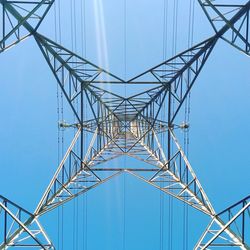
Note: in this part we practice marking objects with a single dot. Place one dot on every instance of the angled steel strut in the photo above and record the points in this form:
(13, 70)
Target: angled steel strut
(235, 218)
(20, 19)
(230, 21)
(12, 219)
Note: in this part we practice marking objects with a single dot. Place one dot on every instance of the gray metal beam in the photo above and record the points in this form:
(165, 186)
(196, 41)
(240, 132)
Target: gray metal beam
(16, 26)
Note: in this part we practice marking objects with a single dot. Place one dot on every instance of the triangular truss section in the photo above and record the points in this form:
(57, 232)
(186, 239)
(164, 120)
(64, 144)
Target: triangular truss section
(102, 148)
(20, 19)
(230, 228)
(178, 74)
(74, 175)
(147, 140)
(75, 76)
(176, 176)
(20, 228)
(230, 21)
(141, 118)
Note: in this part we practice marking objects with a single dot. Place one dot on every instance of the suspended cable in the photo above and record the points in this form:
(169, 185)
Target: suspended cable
(189, 108)
(72, 48)
(86, 222)
(61, 93)
(82, 29)
(84, 115)
(78, 142)
(124, 212)
(61, 105)
(161, 218)
(165, 29)
(75, 25)
(58, 228)
(62, 227)
(74, 220)
(71, 25)
(125, 40)
(77, 222)
(163, 113)
(187, 117)
(125, 89)
(174, 50)
(76, 105)
(56, 23)
(125, 61)
(59, 22)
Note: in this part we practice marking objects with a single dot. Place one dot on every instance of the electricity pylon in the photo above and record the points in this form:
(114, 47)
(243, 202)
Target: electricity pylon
(129, 125)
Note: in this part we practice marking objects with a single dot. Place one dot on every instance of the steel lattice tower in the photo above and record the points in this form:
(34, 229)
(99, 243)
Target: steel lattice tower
(124, 126)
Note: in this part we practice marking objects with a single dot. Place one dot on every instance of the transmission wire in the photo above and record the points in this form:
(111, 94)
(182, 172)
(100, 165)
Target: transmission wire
(83, 51)
(163, 113)
(174, 51)
(73, 17)
(71, 41)
(125, 89)
(72, 48)
(62, 130)
(187, 118)
(60, 117)
(78, 142)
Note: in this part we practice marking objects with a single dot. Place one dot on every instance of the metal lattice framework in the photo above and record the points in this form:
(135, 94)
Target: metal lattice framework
(235, 218)
(121, 126)
(16, 219)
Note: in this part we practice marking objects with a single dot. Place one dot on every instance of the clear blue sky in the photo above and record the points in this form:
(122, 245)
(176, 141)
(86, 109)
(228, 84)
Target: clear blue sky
(219, 133)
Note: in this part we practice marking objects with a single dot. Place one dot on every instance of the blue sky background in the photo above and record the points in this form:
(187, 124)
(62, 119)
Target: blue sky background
(219, 132)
